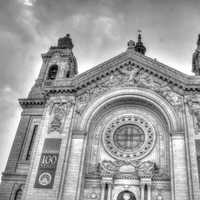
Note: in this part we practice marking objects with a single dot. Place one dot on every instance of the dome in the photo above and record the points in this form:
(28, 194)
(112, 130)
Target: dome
(65, 42)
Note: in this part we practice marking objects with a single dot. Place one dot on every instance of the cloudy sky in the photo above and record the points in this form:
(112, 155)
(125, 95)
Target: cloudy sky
(100, 30)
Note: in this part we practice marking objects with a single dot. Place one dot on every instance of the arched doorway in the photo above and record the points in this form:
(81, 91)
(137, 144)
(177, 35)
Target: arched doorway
(126, 195)
(117, 125)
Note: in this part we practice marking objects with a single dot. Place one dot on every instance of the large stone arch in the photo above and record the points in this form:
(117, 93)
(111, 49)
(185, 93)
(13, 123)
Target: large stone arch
(144, 95)
(107, 104)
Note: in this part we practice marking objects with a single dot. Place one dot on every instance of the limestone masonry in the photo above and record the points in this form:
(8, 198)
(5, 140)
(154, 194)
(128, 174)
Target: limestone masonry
(127, 129)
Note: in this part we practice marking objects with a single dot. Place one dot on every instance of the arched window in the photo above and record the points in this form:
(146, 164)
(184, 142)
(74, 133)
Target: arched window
(68, 74)
(18, 194)
(30, 149)
(126, 195)
(52, 72)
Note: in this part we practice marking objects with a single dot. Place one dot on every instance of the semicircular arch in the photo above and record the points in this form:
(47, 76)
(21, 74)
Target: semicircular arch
(144, 96)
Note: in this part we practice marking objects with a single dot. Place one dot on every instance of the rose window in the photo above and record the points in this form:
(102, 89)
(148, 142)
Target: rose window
(129, 137)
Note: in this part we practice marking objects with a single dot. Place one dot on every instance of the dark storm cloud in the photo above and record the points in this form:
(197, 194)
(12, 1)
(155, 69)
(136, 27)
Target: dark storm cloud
(99, 29)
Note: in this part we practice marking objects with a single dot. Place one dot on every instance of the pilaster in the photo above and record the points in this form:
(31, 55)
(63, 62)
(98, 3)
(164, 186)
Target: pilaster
(179, 167)
(192, 110)
(74, 176)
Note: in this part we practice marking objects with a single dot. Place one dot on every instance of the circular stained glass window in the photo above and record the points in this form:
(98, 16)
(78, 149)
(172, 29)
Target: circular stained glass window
(129, 137)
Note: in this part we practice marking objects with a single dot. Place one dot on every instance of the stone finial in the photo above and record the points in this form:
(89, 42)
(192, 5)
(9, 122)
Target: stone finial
(139, 47)
(196, 59)
(131, 44)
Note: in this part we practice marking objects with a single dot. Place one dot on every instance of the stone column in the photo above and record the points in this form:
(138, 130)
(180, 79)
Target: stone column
(142, 192)
(107, 179)
(148, 192)
(109, 191)
(103, 190)
(143, 182)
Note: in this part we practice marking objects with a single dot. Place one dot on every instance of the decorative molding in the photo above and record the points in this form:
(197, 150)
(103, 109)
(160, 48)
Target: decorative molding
(26, 103)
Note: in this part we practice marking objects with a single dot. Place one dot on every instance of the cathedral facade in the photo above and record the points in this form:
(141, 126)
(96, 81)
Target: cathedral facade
(127, 129)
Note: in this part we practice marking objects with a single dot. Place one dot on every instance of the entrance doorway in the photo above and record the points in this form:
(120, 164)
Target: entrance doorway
(126, 195)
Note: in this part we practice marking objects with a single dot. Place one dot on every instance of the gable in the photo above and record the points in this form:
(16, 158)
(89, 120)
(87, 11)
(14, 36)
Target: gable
(128, 76)
(143, 63)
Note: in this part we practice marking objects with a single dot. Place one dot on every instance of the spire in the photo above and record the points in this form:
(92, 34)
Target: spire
(196, 59)
(65, 42)
(139, 47)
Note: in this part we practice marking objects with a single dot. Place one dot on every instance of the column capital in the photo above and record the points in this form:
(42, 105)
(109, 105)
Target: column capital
(178, 136)
(103, 183)
(142, 185)
(145, 181)
(107, 179)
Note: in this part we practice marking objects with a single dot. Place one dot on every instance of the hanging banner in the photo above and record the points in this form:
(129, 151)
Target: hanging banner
(48, 164)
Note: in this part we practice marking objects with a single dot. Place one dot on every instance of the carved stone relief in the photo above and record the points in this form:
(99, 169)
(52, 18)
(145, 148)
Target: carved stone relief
(130, 76)
(139, 169)
(93, 194)
(92, 190)
(194, 106)
(60, 110)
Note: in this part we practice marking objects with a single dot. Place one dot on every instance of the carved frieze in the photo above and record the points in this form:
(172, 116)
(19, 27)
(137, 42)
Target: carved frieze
(130, 76)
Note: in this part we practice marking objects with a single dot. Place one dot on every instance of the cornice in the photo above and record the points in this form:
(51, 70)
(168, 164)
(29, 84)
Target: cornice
(13, 176)
(152, 66)
(180, 82)
(52, 91)
(173, 77)
(26, 103)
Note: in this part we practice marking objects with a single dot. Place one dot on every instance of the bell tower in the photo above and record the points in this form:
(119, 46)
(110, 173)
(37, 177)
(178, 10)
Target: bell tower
(59, 63)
